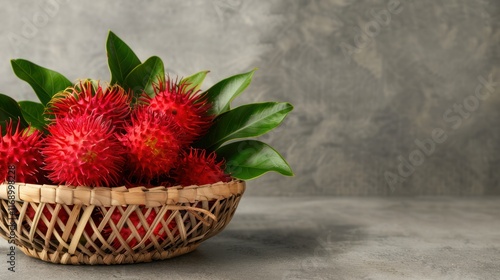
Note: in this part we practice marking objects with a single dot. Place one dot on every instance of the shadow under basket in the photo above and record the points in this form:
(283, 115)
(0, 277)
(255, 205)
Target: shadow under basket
(83, 225)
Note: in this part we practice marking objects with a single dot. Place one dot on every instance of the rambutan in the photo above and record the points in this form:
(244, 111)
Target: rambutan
(162, 180)
(20, 158)
(83, 151)
(152, 144)
(46, 215)
(198, 168)
(87, 98)
(127, 232)
(188, 108)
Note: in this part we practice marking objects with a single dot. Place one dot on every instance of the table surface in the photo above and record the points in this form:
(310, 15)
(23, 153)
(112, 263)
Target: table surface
(324, 238)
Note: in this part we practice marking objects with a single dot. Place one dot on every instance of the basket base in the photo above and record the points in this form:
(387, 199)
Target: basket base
(78, 258)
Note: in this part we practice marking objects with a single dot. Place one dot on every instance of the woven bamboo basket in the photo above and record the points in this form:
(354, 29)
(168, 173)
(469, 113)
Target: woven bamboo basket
(80, 228)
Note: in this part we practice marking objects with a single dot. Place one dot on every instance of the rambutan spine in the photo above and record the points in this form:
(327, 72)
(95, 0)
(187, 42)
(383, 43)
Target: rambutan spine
(83, 151)
(187, 108)
(87, 98)
(196, 167)
(20, 158)
(152, 143)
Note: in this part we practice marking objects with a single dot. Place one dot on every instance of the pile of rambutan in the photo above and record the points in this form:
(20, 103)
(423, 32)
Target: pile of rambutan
(97, 138)
(143, 128)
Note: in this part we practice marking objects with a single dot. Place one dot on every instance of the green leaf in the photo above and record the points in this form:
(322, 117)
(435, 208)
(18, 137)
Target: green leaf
(250, 159)
(9, 110)
(245, 121)
(143, 76)
(121, 59)
(222, 93)
(45, 82)
(195, 80)
(34, 114)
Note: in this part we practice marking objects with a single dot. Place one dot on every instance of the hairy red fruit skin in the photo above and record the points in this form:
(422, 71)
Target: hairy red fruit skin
(164, 181)
(152, 144)
(197, 168)
(126, 231)
(113, 103)
(187, 108)
(83, 151)
(20, 157)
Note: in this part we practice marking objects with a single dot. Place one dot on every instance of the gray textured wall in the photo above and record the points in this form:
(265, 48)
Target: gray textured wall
(364, 91)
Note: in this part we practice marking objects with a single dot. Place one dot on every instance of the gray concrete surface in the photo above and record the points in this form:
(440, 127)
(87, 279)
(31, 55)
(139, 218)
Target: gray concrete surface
(362, 98)
(324, 238)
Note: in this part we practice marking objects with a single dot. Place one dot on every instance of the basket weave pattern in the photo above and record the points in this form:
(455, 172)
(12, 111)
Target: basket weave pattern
(80, 228)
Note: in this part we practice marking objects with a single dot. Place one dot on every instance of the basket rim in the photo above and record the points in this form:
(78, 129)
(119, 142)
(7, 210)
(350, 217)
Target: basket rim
(117, 196)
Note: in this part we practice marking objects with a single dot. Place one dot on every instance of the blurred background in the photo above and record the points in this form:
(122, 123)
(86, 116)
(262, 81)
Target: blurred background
(392, 97)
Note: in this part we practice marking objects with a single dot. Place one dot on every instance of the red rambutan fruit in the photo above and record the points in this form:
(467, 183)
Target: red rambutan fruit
(198, 168)
(188, 108)
(62, 215)
(152, 144)
(113, 102)
(163, 180)
(20, 157)
(127, 233)
(83, 151)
